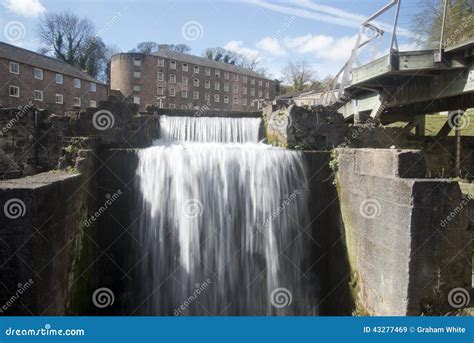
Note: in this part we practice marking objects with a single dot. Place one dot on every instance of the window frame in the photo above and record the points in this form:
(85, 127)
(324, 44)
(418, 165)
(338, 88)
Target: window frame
(41, 71)
(14, 64)
(80, 101)
(57, 77)
(14, 87)
(61, 96)
(39, 92)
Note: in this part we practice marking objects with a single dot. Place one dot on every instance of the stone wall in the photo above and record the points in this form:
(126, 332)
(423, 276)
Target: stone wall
(46, 259)
(296, 127)
(406, 250)
(31, 141)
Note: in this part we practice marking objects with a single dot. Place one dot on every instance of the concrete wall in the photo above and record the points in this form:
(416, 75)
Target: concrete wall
(439, 153)
(46, 257)
(405, 254)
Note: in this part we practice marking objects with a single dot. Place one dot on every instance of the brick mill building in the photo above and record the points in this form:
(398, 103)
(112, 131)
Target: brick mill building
(169, 79)
(31, 78)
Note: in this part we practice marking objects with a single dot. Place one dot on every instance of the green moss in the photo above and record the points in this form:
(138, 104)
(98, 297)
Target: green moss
(81, 274)
(347, 222)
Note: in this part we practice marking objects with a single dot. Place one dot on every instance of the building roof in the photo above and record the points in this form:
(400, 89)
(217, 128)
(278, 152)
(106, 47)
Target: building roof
(203, 61)
(16, 54)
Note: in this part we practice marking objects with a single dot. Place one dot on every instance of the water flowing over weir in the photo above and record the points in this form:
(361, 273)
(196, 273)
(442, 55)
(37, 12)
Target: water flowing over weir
(225, 225)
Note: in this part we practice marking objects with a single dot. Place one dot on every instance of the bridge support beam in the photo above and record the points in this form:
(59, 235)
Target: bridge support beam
(420, 121)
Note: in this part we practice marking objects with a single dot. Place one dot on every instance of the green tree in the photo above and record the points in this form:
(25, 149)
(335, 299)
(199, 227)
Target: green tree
(459, 23)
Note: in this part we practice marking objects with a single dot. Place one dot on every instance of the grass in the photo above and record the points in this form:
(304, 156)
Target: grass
(434, 122)
(467, 188)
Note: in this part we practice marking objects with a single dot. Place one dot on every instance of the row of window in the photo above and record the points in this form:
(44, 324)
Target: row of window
(14, 91)
(207, 97)
(172, 91)
(196, 83)
(207, 71)
(58, 78)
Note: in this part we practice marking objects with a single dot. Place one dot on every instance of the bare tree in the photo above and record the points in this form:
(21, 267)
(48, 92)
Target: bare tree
(299, 75)
(66, 35)
(73, 40)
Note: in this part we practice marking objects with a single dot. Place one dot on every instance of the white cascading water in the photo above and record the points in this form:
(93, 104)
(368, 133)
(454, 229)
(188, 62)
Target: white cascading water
(223, 224)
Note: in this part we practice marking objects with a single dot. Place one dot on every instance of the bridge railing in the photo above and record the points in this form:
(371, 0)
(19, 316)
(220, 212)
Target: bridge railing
(369, 31)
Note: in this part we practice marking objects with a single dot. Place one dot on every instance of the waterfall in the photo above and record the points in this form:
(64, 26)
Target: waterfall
(225, 224)
(207, 129)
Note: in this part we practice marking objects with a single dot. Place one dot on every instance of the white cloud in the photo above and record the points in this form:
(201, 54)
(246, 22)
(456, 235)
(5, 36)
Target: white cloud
(237, 46)
(324, 47)
(271, 45)
(324, 14)
(26, 8)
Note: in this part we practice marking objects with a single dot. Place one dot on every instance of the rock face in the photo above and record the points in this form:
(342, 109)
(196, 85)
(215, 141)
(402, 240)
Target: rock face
(296, 127)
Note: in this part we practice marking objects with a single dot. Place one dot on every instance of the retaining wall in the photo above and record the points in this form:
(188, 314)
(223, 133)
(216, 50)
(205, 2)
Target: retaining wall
(46, 250)
(406, 249)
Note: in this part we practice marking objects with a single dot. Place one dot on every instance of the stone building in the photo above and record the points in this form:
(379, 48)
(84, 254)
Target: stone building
(168, 79)
(29, 78)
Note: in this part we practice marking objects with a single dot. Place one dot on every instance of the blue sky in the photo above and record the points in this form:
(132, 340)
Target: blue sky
(321, 32)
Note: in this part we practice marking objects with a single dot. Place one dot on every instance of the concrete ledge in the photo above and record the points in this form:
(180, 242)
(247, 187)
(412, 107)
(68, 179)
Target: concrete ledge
(388, 162)
(406, 249)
